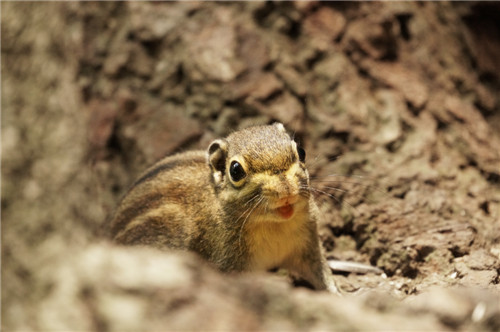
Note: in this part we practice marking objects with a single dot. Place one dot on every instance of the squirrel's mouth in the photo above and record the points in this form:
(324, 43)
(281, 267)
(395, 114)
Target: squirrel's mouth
(285, 211)
(286, 206)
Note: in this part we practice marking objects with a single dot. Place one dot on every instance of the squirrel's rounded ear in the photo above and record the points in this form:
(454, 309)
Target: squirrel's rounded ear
(280, 126)
(217, 155)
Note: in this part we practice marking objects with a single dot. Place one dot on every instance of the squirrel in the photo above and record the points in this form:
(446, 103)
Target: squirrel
(244, 205)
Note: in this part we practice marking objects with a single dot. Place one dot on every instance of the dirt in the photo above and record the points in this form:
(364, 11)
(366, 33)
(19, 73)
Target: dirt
(396, 104)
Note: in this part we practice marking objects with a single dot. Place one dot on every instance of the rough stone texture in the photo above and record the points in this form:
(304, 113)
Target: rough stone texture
(396, 104)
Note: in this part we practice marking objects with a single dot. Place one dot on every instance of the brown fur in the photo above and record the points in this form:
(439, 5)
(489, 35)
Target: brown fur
(191, 201)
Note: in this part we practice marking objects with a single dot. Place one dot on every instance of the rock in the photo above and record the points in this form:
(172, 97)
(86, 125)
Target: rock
(406, 81)
(253, 50)
(158, 134)
(332, 68)
(448, 305)
(373, 36)
(116, 288)
(480, 279)
(286, 109)
(293, 79)
(391, 96)
(324, 26)
(214, 53)
(150, 22)
(256, 86)
(102, 118)
(481, 260)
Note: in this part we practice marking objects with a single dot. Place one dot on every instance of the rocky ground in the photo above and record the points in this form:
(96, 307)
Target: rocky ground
(397, 106)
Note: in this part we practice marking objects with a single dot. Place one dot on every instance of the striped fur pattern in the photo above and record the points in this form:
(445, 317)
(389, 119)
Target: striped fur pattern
(244, 205)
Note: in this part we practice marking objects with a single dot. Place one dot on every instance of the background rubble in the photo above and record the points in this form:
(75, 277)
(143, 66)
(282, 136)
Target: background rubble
(396, 104)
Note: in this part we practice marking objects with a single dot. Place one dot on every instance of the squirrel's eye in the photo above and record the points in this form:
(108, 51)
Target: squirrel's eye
(236, 171)
(302, 154)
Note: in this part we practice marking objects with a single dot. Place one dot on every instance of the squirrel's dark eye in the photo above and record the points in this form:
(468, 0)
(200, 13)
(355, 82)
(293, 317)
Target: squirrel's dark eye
(302, 154)
(236, 171)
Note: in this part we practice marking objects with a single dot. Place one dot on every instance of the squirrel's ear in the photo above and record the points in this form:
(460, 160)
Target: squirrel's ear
(217, 155)
(280, 126)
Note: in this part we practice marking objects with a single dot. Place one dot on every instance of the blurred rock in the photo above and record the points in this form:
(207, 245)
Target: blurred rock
(482, 260)
(459, 307)
(324, 26)
(158, 134)
(396, 104)
(374, 36)
(116, 288)
(214, 53)
(256, 87)
(402, 79)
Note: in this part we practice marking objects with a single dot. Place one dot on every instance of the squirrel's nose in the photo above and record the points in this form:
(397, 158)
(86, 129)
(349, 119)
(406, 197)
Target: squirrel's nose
(287, 189)
(288, 200)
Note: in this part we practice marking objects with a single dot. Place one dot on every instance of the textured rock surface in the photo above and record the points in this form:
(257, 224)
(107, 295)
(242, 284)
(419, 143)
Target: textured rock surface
(395, 103)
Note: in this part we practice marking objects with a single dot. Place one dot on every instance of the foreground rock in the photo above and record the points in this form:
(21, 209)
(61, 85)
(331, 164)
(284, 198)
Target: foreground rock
(107, 288)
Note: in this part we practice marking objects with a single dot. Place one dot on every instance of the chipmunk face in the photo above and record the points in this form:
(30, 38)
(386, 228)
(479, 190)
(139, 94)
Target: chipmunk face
(260, 173)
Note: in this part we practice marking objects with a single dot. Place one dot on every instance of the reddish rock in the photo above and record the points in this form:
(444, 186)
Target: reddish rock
(324, 26)
(407, 81)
